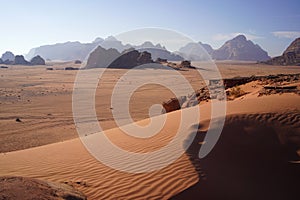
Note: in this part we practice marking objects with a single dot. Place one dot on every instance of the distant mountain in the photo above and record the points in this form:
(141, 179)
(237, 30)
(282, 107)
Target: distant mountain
(162, 53)
(75, 50)
(112, 42)
(149, 45)
(158, 51)
(239, 48)
(8, 56)
(195, 51)
(291, 56)
(63, 51)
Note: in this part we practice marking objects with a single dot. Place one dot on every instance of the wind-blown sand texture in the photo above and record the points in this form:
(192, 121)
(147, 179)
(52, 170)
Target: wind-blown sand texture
(260, 137)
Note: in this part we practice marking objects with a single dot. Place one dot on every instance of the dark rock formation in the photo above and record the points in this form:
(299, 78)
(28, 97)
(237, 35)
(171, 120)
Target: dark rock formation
(111, 58)
(71, 68)
(291, 56)
(131, 59)
(239, 48)
(8, 56)
(1, 61)
(37, 60)
(102, 58)
(77, 62)
(160, 60)
(185, 63)
(29, 188)
(20, 60)
(171, 105)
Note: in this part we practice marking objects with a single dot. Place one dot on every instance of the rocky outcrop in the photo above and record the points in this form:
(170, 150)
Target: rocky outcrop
(239, 48)
(185, 63)
(131, 59)
(20, 60)
(102, 58)
(8, 56)
(161, 60)
(291, 56)
(29, 188)
(111, 58)
(77, 62)
(1, 61)
(37, 60)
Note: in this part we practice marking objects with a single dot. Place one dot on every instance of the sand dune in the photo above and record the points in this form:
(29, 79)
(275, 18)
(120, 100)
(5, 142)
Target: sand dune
(250, 133)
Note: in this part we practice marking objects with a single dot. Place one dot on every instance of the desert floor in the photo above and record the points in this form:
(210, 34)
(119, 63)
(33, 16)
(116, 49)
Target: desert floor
(45, 144)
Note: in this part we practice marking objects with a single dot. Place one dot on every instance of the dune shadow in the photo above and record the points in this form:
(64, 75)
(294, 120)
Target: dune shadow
(248, 162)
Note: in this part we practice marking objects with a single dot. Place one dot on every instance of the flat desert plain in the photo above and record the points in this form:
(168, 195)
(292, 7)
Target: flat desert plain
(255, 157)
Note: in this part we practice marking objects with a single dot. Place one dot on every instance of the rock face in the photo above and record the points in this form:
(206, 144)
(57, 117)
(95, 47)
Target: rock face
(1, 61)
(111, 58)
(37, 60)
(28, 188)
(186, 63)
(8, 56)
(239, 48)
(101, 58)
(291, 56)
(20, 60)
(131, 59)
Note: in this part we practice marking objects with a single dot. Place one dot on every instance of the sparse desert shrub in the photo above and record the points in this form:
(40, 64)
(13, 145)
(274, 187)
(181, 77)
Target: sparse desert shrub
(235, 92)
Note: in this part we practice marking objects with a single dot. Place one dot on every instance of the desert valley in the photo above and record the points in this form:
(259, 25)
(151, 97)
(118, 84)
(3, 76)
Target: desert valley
(256, 157)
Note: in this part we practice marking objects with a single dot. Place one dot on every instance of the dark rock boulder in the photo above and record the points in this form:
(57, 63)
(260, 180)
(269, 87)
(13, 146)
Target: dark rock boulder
(71, 68)
(20, 60)
(77, 62)
(171, 105)
(161, 60)
(37, 60)
(185, 63)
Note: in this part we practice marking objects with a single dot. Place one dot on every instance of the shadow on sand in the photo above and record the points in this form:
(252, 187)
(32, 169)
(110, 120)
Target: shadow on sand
(248, 162)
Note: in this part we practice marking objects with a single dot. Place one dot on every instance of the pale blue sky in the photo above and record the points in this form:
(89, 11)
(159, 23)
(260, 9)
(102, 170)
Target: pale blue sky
(31, 23)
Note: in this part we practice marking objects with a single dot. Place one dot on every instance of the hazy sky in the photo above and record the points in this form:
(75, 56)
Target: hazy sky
(32, 23)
